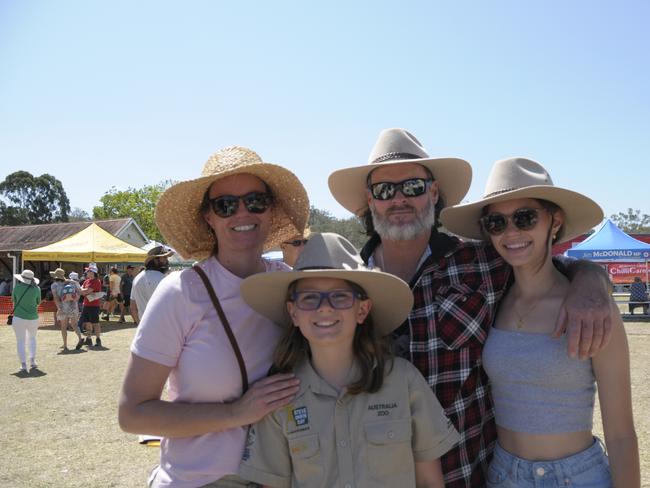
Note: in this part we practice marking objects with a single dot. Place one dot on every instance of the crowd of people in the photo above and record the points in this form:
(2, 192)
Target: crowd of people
(79, 301)
(421, 360)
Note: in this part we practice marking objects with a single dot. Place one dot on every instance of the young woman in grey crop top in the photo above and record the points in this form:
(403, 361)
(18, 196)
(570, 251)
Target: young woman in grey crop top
(543, 399)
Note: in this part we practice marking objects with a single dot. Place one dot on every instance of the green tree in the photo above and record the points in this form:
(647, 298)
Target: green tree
(29, 199)
(78, 215)
(137, 203)
(351, 228)
(632, 222)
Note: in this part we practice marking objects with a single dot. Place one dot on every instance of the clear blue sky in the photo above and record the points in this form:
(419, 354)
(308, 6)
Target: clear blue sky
(129, 93)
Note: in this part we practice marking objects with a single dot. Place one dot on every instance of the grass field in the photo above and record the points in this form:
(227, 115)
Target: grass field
(59, 427)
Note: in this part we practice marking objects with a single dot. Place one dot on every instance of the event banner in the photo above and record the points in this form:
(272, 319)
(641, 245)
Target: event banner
(625, 272)
(610, 254)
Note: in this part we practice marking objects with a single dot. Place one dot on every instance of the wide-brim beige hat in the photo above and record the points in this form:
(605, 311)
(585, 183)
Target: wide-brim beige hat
(158, 252)
(177, 212)
(516, 178)
(398, 146)
(58, 274)
(27, 277)
(330, 255)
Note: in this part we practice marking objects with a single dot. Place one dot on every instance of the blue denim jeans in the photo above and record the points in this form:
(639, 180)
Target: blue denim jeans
(589, 468)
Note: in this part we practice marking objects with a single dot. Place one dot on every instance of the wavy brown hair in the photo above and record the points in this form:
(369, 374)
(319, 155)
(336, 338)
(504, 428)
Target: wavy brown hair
(371, 352)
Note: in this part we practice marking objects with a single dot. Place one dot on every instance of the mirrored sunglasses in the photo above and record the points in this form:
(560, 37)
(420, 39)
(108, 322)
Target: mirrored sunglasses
(296, 242)
(312, 300)
(413, 187)
(256, 202)
(523, 219)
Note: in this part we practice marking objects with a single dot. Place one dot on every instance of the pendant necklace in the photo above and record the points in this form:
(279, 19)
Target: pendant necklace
(521, 317)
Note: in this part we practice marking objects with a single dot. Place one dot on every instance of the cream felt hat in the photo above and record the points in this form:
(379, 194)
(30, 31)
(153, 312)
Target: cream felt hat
(330, 255)
(398, 146)
(516, 178)
(177, 212)
(58, 274)
(27, 277)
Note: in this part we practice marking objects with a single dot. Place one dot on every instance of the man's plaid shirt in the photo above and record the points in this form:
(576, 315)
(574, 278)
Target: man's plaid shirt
(456, 290)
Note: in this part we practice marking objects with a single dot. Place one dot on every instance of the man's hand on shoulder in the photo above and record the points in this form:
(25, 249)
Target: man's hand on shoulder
(586, 314)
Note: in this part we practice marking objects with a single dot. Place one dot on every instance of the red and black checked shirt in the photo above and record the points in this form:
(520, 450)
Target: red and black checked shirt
(456, 291)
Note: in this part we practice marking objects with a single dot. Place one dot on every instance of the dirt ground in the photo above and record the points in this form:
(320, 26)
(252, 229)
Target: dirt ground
(59, 427)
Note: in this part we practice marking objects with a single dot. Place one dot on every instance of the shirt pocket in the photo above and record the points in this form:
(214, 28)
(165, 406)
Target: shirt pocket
(306, 459)
(389, 452)
(463, 316)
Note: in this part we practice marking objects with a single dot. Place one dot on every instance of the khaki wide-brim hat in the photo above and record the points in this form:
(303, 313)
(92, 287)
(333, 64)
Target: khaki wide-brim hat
(177, 212)
(58, 274)
(158, 252)
(27, 277)
(394, 147)
(330, 255)
(516, 178)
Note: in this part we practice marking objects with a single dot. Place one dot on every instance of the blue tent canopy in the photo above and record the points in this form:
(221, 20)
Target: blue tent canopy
(609, 243)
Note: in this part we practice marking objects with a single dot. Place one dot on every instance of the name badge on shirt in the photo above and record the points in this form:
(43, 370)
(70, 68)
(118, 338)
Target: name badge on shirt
(300, 416)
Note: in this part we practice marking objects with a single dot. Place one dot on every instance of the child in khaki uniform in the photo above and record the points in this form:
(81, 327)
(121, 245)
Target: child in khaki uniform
(361, 418)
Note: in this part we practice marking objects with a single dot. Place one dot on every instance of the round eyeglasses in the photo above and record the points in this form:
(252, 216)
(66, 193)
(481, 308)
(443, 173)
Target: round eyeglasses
(496, 223)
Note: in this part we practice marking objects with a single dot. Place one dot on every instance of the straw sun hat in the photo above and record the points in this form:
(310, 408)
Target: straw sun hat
(177, 212)
(516, 178)
(27, 277)
(393, 147)
(330, 255)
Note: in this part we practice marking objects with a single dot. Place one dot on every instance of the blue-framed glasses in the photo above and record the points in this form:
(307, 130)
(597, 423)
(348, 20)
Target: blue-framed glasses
(337, 299)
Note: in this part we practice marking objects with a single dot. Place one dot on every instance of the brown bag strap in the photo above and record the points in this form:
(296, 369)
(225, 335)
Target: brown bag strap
(13, 308)
(226, 325)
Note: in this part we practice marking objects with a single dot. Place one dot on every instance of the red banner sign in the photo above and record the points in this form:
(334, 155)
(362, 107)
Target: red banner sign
(625, 272)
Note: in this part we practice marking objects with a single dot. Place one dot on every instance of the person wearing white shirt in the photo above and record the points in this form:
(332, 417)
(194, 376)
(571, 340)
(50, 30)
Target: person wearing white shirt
(156, 266)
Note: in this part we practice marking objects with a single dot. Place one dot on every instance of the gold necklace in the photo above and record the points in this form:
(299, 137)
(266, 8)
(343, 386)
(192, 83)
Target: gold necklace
(521, 317)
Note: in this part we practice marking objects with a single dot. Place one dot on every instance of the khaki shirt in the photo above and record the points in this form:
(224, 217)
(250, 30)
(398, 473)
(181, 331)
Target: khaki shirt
(326, 439)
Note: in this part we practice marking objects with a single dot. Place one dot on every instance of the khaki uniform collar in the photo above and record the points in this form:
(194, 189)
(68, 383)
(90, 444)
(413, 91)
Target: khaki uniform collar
(311, 381)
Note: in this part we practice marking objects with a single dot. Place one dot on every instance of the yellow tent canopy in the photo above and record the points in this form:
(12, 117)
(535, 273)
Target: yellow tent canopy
(93, 244)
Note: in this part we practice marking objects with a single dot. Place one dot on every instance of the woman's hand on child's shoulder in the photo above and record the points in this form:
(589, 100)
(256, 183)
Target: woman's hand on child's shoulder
(265, 396)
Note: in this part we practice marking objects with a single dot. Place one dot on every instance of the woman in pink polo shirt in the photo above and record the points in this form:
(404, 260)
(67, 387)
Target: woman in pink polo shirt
(238, 208)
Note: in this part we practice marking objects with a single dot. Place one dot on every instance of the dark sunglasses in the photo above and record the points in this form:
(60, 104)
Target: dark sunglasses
(297, 242)
(256, 202)
(413, 187)
(523, 219)
(312, 300)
